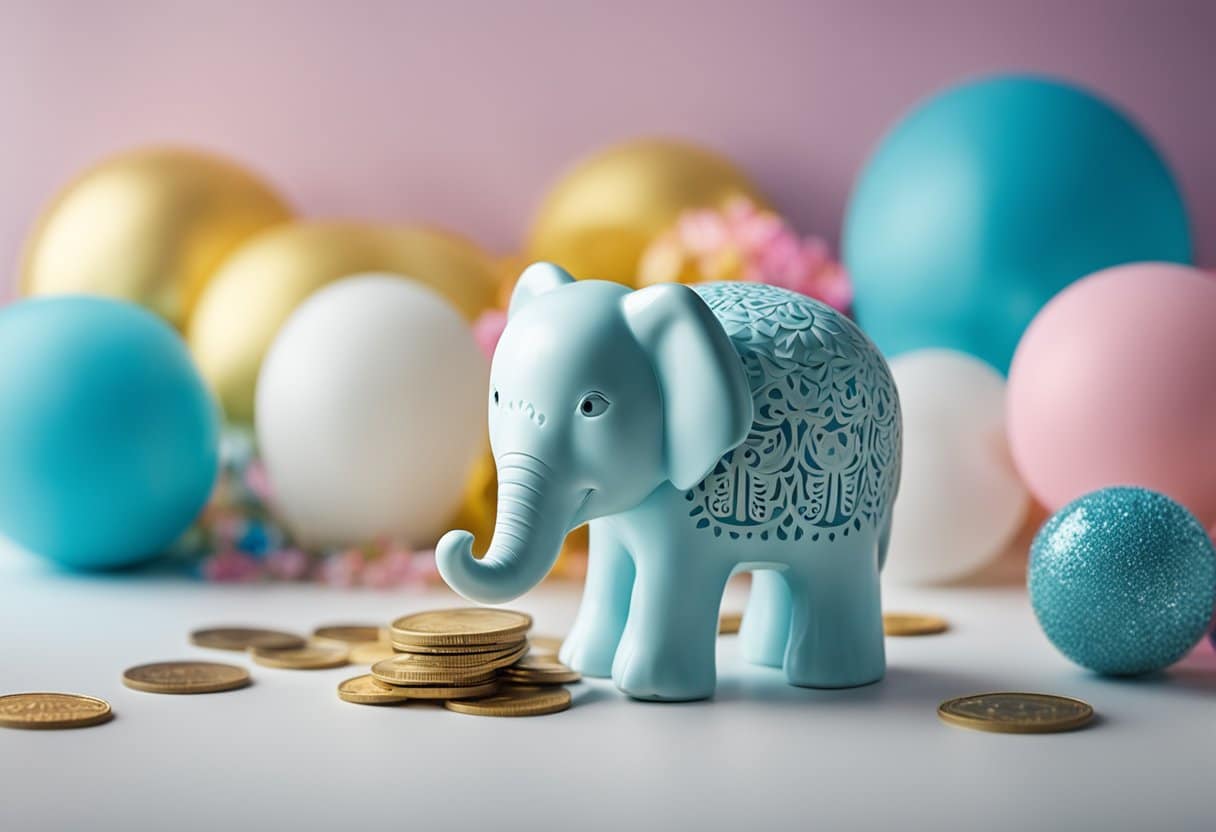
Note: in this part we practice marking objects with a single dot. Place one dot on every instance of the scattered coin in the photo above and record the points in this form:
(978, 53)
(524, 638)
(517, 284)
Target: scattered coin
(1016, 713)
(540, 670)
(460, 627)
(367, 690)
(308, 657)
(185, 677)
(729, 623)
(515, 701)
(351, 633)
(913, 624)
(53, 710)
(243, 638)
(370, 652)
(446, 692)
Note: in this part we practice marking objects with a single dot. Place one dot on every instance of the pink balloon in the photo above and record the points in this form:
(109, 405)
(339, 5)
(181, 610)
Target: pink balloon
(1114, 383)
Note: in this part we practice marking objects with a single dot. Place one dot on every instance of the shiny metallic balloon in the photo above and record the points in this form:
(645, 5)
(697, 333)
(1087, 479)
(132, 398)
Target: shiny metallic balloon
(149, 226)
(265, 280)
(601, 216)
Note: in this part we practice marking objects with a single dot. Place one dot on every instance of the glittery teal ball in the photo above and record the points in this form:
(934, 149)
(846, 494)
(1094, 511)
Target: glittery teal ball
(1123, 580)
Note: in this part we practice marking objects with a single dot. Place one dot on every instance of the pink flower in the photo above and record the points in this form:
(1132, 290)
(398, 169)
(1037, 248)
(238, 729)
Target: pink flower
(835, 289)
(753, 229)
(287, 564)
(779, 263)
(742, 241)
(378, 575)
(803, 266)
(703, 231)
(487, 329)
(227, 526)
(342, 569)
(258, 481)
(382, 569)
(230, 566)
(400, 564)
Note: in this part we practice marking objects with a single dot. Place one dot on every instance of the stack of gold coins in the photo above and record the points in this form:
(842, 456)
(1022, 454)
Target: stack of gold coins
(474, 660)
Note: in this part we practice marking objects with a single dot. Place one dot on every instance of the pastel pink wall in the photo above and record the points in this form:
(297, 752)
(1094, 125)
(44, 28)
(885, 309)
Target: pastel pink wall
(461, 113)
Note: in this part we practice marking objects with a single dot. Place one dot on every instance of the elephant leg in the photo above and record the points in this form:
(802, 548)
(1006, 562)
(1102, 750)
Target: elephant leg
(836, 638)
(766, 623)
(593, 640)
(667, 650)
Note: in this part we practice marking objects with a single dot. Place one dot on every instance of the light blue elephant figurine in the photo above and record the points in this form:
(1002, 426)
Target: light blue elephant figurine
(702, 431)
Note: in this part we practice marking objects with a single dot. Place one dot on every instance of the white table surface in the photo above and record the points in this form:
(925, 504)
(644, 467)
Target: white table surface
(286, 753)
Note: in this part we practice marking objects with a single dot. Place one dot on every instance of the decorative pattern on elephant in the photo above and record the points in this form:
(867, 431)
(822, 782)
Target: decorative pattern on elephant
(822, 457)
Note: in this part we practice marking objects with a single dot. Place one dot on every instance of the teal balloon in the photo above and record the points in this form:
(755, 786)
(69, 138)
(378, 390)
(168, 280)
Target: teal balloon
(988, 199)
(109, 440)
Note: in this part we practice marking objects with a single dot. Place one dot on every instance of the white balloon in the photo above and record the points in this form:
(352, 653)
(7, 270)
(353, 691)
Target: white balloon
(960, 499)
(371, 412)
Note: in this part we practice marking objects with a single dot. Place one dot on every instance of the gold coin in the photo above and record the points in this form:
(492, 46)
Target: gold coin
(489, 660)
(913, 624)
(350, 633)
(448, 691)
(729, 623)
(1016, 713)
(185, 677)
(243, 638)
(460, 627)
(532, 677)
(403, 669)
(454, 649)
(370, 652)
(309, 657)
(53, 710)
(367, 690)
(516, 701)
(545, 645)
(540, 670)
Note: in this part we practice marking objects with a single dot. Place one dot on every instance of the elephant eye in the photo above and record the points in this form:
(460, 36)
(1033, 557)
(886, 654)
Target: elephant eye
(593, 404)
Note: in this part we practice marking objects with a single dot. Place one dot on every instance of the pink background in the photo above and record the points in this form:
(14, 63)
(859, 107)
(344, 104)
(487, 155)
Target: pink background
(461, 113)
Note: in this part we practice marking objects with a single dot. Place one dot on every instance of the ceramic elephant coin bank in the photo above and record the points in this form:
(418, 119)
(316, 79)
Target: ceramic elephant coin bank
(702, 431)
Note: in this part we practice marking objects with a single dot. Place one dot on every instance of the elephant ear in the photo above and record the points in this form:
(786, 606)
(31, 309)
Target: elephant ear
(536, 280)
(707, 405)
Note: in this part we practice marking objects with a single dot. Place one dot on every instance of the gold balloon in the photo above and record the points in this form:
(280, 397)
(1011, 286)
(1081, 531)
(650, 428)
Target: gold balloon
(601, 216)
(149, 226)
(259, 286)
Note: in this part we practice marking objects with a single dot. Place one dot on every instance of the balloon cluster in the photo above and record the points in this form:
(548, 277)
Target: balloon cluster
(1021, 225)
(346, 346)
(1010, 225)
(111, 444)
(975, 211)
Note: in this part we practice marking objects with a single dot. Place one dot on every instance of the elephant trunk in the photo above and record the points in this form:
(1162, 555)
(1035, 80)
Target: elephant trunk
(532, 522)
